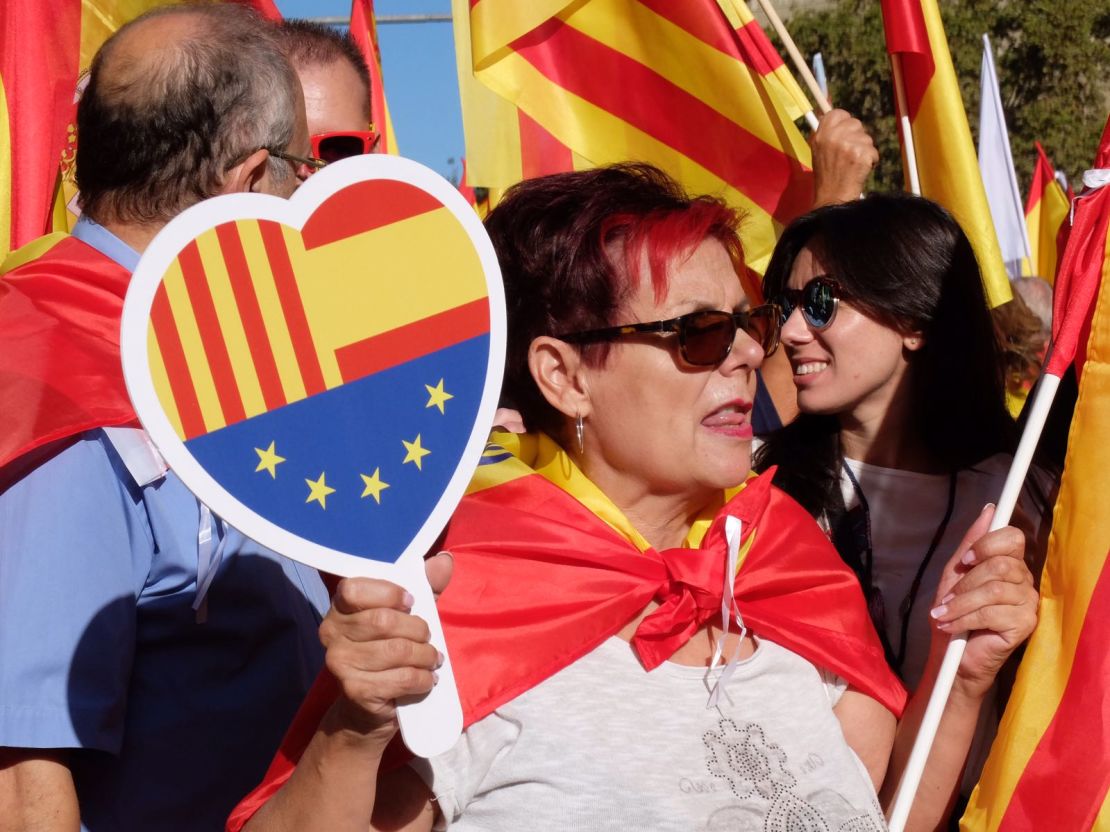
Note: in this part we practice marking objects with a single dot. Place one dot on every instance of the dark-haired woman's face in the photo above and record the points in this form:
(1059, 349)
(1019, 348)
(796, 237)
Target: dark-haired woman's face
(853, 367)
(658, 425)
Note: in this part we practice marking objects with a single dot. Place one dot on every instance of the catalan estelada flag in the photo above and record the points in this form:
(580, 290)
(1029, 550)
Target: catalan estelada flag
(1049, 767)
(693, 87)
(1046, 211)
(364, 29)
(946, 162)
(328, 378)
(553, 561)
(45, 48)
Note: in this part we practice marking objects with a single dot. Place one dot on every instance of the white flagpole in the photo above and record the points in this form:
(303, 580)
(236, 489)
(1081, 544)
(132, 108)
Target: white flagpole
(796, 57)
(938, 699)
(904, 123)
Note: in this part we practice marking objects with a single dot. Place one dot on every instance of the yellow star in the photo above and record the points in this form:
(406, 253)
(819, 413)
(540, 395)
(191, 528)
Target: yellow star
(268, 460)
(374, 486)
(319, 491)
(437, 395)
(414, 452)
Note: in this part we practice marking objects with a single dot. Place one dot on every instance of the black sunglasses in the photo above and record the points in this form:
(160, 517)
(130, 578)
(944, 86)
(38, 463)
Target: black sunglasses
(818, 299)
(704, 338)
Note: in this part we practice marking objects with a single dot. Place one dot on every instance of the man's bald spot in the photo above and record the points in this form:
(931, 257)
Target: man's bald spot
(140, 62)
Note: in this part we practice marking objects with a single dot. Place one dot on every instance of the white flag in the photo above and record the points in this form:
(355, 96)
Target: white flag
(996, 164)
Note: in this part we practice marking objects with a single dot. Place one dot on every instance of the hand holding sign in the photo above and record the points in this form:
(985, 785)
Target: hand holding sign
(322, 372)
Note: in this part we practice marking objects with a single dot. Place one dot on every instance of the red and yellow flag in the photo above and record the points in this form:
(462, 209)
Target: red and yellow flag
(1049, 767)
(1046, 210)
(946, 162)
(45, 48)
(364, 30)
(694, 88)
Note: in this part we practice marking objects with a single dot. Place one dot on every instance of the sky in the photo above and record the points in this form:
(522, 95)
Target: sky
(418, 63)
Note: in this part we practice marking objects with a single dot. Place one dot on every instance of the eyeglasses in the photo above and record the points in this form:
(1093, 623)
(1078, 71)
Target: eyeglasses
(704, 338)
(818, 299)
(311, 162)
(331, 147)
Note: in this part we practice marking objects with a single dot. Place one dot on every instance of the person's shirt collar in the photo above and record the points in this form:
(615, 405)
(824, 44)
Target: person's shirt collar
(107, 243)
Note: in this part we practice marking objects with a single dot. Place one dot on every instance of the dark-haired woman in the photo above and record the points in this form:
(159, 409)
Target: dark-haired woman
(593, 562)
(903, 434)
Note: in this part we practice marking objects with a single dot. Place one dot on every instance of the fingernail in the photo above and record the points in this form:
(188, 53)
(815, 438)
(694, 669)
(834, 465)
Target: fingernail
(435, 679)
(938, 611)
(987, 508)
(968, 558)
(948, 597)
(946, 626)
(439, 658)
(408, 600)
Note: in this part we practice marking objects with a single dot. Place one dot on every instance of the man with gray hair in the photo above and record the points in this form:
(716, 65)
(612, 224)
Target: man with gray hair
(150, 656)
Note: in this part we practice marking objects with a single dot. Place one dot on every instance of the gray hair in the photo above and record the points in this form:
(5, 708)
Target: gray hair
(159, 126)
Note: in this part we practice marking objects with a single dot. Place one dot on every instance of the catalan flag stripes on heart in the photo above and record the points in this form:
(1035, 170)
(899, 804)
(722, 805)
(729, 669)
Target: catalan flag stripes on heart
(694, 88)
(235, 334)
(309, 371)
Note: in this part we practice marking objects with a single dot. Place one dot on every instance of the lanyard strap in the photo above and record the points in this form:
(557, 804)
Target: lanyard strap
(906, 607)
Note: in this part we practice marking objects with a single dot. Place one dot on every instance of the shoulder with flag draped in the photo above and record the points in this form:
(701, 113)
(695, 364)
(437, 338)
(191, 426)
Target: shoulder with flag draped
(59, 345)
(541, 553)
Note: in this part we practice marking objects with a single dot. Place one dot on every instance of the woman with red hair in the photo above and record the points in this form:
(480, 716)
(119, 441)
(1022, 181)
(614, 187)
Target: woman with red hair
(643, 635)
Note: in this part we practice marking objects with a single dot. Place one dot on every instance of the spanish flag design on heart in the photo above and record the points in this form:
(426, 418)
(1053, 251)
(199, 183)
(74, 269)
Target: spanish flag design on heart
(328, 378)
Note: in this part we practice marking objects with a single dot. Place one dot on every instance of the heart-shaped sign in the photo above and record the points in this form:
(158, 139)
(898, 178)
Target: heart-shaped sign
(322, 372)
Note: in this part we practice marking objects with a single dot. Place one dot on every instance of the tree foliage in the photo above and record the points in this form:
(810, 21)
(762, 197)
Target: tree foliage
(1053, 62)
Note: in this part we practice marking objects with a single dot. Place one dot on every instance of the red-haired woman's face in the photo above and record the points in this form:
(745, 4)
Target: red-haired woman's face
(658, 425)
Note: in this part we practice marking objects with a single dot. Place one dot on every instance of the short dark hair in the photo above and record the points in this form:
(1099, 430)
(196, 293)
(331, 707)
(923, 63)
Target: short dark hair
(158, 132)
(314, 44)
(905, 262)
(569, 246)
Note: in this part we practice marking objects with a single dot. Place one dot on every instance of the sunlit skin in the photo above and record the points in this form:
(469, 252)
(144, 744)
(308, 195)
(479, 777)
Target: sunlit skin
(856, 369)
(659, 430)
(335, 98)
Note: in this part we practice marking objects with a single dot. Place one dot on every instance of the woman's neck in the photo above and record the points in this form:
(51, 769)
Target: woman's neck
(886, 439)
(662, 519)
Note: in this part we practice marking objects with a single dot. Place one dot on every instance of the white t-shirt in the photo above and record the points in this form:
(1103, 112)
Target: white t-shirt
(606, 745)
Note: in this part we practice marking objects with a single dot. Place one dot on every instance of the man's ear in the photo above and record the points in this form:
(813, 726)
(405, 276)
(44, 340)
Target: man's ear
(246, 176)
(558, 371)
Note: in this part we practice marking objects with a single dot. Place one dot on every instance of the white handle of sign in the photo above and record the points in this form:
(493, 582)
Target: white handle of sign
(430, 724)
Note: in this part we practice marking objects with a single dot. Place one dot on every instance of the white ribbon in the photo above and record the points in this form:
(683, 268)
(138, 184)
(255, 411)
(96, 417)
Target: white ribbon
(209, 555)
(729, 612)
(1096, 178)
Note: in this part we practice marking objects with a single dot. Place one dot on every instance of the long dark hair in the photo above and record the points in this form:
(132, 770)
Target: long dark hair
(905, 262)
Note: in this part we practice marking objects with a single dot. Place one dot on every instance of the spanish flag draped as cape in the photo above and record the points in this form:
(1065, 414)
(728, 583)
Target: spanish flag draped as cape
(60, 370)
(547, 568)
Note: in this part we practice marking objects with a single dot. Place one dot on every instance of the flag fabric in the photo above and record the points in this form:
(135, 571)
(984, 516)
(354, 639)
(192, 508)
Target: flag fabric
(59, 345)
(331, 401)
(364, 30)
(1049, 767)
(942, 139)
(1046, 212)
(996, 164)
(40, 58)
(557, 564)
(694, 88)
(45, 49)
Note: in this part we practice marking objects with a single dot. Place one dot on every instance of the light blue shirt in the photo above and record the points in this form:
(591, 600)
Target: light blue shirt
(176, 715)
